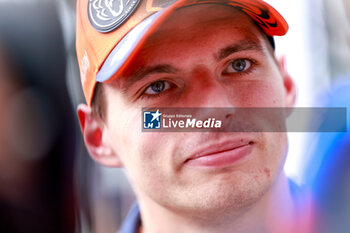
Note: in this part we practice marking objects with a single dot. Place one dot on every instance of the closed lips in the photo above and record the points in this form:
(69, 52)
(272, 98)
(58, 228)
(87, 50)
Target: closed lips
(216, 148)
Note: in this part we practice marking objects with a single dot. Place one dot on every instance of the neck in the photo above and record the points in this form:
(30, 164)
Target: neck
(274, 212)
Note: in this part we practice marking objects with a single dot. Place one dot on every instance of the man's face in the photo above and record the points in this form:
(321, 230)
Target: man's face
(202, 56)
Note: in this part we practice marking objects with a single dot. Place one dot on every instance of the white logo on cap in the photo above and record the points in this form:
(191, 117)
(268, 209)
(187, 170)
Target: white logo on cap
(101, 12)
(84, 66)
(107, 15)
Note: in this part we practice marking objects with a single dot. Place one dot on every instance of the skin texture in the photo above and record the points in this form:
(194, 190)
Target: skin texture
(188, 52)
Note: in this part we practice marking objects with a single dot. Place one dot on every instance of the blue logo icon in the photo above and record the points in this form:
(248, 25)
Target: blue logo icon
(151, 120)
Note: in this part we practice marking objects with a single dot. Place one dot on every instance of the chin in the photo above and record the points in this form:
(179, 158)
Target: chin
(227, 197)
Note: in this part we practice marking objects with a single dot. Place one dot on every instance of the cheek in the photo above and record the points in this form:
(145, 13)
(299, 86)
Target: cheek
(139, 151)
(268, 160)
(148, 162)
(143, 154)
(278, 152)
(126, 136)
(257, 94)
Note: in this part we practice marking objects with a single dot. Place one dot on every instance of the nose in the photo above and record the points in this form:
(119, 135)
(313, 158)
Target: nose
(208, 97)
(205, 90)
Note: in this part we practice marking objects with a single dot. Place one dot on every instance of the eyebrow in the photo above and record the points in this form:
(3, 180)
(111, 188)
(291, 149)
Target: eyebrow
(237, 47)
(139, 74)
(142, 72)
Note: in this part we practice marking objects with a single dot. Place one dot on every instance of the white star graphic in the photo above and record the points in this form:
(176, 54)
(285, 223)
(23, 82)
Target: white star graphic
(156, 115)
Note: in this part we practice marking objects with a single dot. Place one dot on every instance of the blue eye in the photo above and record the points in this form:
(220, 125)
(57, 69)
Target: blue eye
(157, 87)
(238, 65)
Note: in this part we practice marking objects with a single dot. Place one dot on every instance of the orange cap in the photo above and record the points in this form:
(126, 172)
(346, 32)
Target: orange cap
(110, 32)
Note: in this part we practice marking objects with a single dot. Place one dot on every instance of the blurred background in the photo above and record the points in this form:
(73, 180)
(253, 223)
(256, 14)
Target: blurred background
(48, 182)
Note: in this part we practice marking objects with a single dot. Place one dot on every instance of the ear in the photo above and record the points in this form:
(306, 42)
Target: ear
(93, 130)
(288, 83)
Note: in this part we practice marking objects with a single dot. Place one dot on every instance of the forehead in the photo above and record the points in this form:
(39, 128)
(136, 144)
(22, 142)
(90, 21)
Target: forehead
(197, 31)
